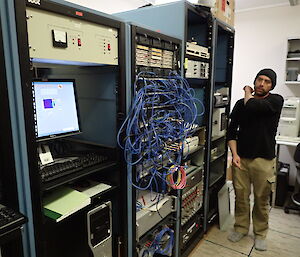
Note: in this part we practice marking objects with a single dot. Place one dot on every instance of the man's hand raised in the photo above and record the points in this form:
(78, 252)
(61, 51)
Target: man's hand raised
(248, 93)
(248, 89)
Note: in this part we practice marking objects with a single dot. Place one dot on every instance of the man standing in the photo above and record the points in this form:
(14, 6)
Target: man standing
(251, 138)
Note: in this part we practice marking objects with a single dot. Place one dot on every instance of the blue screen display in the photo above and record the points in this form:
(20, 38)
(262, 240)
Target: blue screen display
(55, 108)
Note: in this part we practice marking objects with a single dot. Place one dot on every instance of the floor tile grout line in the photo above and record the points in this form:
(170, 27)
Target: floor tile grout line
(284, 233)
(249, 255)
(226, 247)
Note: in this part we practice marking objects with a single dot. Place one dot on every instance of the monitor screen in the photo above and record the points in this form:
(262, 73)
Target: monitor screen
(55, 106)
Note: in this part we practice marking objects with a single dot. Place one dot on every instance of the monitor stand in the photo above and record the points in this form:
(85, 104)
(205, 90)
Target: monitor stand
(44, 154)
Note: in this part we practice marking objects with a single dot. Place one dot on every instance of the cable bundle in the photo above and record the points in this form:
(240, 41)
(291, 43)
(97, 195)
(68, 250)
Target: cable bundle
(162, 116)
(163, 244)
(181, 177)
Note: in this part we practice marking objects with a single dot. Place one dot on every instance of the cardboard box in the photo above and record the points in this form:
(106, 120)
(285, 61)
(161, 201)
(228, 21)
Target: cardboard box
(222, 9)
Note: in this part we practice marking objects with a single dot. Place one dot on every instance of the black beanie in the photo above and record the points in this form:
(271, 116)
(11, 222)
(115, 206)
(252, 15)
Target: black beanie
(270, 74)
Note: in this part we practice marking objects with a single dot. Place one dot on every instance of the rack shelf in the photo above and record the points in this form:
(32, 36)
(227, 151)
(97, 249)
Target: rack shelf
(76, 175)
(214, 178)
(292, 82)
(194, 82)
(212, 159)
(292, 67)
(196, 58)
(216, 138)
(293, 59)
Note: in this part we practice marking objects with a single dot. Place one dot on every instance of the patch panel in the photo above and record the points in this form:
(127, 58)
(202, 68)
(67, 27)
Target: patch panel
(191, 202)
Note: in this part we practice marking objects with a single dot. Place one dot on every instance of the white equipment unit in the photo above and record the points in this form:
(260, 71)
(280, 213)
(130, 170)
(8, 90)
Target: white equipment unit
(219, 122)
(55, 38)
(289, 122)
(149, 217)
(221, 97)
(196, 50)
(190, 145)
(196, 69)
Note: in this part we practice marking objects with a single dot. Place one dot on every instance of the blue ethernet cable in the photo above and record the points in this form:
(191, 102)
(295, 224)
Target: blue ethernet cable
(163, 111)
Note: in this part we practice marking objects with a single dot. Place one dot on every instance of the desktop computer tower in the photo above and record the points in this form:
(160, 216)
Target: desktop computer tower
(99, 225)
(87, 233)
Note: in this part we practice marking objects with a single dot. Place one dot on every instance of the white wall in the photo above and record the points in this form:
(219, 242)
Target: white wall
(261, 42)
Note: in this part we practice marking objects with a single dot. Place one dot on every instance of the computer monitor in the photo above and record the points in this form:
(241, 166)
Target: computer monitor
(55, 106)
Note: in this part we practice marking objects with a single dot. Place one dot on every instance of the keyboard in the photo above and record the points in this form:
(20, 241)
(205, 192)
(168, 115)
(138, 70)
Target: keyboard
(10, 219)
(65, 166)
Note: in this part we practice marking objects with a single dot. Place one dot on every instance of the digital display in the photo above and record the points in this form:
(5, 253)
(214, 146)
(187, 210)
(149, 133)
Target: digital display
(55, 107)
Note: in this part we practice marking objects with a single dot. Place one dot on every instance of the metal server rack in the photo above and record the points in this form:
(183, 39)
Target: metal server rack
(223, 42)
(138, 36)
(188, 23)
(10, 243)
(40, 230)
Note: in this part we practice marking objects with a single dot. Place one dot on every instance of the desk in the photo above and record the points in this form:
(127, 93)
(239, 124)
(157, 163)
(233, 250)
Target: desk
(291, 142)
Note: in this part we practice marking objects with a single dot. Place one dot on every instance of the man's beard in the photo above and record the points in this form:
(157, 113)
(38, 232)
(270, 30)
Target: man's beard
(261, 92)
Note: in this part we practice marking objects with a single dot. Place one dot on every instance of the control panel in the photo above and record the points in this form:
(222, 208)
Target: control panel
(53, 38)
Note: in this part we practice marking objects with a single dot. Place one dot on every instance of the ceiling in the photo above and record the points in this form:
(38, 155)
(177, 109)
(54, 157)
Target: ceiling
(125, 5)
(241, 5)
(253, 4)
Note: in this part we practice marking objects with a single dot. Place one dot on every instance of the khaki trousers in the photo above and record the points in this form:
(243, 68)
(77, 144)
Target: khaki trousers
(261, 174)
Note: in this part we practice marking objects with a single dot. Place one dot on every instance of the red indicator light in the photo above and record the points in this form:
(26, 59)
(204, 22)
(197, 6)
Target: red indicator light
(79, 13)
(108, 47)
(79, 41)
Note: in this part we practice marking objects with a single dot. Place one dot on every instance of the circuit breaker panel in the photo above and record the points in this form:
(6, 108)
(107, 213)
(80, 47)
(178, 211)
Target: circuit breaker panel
(68, 39)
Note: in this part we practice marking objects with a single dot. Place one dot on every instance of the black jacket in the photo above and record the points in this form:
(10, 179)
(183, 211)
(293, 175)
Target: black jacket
(254, 126)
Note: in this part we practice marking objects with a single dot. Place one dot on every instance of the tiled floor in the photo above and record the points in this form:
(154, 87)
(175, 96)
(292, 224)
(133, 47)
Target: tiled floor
(283, 239)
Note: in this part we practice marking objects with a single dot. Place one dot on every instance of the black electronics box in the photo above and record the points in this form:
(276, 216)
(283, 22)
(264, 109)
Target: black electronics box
(282, 183)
